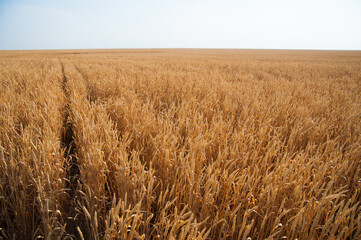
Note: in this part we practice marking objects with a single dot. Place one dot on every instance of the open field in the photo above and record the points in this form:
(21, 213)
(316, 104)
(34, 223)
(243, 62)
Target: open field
(180, 144)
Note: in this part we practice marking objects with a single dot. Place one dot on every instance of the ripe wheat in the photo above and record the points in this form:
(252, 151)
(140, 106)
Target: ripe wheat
(180, 144)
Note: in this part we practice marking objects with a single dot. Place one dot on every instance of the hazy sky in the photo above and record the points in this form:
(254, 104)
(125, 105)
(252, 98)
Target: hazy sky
(285, 24)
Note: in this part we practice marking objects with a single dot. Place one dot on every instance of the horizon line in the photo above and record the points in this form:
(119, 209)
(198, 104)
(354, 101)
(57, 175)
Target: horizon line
(179, 48)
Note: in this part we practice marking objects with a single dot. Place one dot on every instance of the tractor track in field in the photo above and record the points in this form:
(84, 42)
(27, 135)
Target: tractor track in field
(74, 219)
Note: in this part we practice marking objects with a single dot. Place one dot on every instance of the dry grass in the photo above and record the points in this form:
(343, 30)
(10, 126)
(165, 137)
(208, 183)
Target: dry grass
(180, 144)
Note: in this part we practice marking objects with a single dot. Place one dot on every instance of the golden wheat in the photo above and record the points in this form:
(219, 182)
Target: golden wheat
(180, 144)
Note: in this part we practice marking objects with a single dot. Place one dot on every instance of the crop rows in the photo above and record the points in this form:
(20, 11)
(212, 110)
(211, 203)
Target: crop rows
(180, 144)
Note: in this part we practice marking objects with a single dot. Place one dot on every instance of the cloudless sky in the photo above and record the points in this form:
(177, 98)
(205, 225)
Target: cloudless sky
(280, 24)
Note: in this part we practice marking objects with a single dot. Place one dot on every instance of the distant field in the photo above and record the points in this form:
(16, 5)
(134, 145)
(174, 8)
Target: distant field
(180, 144)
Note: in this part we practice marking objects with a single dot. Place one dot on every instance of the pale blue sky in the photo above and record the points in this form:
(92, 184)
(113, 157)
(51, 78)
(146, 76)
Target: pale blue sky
(280, 24)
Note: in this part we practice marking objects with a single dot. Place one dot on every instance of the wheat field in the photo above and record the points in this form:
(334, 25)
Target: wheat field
(180, 144)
